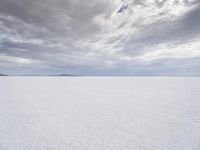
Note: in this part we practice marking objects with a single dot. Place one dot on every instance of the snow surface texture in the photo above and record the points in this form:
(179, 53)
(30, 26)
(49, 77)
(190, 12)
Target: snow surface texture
(99, 113)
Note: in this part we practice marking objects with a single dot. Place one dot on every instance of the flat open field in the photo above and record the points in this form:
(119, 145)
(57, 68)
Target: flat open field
(99, 113)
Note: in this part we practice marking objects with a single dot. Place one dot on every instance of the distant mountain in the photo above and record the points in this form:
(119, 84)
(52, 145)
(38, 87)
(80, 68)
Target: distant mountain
(62, 75)
(66, 75)
(3, 75)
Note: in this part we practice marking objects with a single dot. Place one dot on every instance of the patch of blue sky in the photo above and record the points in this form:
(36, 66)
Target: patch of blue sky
(123, 8)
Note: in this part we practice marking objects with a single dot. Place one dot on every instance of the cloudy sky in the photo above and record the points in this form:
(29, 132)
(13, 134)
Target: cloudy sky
(100, 37)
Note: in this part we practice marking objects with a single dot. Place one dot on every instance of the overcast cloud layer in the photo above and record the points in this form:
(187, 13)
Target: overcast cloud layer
(100, 37)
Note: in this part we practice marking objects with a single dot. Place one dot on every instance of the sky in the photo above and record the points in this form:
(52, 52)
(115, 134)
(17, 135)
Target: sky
(100, 37)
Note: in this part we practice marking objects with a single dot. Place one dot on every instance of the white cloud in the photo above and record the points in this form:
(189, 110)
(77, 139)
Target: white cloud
(18, 60)
(187, 50)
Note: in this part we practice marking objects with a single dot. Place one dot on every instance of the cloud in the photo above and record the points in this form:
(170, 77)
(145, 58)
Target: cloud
(92, 37)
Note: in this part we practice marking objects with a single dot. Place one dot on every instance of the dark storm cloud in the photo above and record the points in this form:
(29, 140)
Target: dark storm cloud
(57, 16)
(55, 24)
(190, 23)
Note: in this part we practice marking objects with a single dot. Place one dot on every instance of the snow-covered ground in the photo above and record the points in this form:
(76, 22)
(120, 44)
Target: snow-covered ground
(99, 113)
